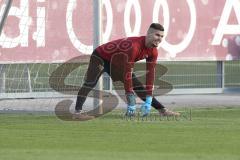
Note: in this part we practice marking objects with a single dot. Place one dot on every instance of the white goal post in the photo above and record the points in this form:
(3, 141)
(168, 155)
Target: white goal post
(4, 13)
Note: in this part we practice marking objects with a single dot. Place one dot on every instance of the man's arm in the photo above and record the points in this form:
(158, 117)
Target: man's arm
(128, 86)
(150, 69)
(128, 70)
(122, 64)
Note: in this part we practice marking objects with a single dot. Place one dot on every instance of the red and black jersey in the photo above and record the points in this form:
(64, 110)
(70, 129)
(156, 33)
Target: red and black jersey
(134, 48)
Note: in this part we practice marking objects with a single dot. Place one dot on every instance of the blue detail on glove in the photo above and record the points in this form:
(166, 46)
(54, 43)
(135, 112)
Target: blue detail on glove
(131, 110)
(146, 107)
(148, 100)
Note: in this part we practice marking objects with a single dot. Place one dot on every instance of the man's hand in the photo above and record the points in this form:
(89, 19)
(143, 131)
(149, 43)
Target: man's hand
(146, 107)
(131, 104)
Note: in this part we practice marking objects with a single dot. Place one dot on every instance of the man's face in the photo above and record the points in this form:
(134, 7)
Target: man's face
(154, 37)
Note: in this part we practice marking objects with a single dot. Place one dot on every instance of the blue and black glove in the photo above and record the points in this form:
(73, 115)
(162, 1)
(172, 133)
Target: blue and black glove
(131, 104)
(146, 107)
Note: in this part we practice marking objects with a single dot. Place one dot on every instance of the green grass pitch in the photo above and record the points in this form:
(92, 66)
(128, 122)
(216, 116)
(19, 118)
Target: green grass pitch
(212, 134)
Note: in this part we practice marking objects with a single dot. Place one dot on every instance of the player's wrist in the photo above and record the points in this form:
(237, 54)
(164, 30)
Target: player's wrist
(131, 108)
(148, 99)
(131, 100)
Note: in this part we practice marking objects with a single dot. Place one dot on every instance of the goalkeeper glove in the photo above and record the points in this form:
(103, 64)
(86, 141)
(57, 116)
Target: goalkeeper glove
(131, 104)
(146, 107)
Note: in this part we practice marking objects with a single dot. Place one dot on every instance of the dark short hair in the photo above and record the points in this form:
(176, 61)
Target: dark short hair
(157, 26)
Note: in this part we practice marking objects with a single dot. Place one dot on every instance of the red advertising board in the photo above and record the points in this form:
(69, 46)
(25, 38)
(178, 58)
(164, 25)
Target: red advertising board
(57, 30)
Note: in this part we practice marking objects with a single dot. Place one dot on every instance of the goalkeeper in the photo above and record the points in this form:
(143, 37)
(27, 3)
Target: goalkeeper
(133, 49)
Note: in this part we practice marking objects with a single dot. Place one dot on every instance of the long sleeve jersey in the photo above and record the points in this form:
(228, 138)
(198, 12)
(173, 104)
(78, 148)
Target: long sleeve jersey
(134, 48)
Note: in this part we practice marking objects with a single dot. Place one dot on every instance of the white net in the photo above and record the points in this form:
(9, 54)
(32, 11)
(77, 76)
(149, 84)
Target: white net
(18, 78)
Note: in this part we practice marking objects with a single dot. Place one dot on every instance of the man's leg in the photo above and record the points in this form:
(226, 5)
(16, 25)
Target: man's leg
(94, 71)
(141, 93)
